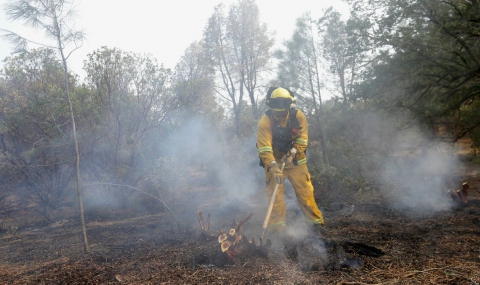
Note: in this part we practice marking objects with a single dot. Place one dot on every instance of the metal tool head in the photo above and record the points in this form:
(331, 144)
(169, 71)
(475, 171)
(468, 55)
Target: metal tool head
(259, 249)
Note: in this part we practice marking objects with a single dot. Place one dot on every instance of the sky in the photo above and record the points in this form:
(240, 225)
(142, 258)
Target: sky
(162, 28)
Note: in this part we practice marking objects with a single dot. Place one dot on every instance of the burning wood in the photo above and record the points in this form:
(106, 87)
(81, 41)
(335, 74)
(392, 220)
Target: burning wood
(222, 238)
(225, 246)
(237, 240)
(311, 252)
(229, 246)
(460, 196)
(238, 226)
(206, 232)
(229, 241)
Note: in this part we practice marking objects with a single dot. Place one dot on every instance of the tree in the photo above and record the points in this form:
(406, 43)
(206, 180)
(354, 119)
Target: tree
(239, 48)
(344, 46)
(251, 43)
(193, 84)
(35, 149)
(299, 68)
(429, 67)
(54, 18)
(131, 101)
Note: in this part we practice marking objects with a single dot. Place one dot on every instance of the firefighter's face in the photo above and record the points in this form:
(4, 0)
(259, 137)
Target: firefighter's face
(280, 114)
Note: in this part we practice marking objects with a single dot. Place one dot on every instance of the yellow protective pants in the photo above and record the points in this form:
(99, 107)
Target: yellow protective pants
(299, 177)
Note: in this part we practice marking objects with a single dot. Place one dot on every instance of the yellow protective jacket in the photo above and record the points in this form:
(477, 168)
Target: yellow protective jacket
(299, 136)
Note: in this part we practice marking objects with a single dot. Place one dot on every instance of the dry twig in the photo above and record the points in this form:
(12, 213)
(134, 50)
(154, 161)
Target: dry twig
(356, 283)
(240, 224)
(423, 271)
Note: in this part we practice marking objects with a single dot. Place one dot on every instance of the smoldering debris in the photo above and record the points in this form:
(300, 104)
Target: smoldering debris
(228, 247)
(417, 182)
(314, 253)
(310, 252)
(460, 196)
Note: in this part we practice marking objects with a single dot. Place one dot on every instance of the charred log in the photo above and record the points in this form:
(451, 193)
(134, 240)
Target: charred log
(205, 232)
(227, 247)
(460, 196)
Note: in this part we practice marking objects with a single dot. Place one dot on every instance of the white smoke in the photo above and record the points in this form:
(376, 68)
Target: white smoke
(420, 171)
(230, 164)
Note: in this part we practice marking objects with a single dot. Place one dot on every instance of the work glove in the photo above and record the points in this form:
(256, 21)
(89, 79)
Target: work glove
(288, 158)
(276, 173)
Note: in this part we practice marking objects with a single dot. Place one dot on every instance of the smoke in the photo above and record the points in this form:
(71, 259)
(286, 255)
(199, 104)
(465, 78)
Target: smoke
(419, 172)
(229, 164)
(190, 163)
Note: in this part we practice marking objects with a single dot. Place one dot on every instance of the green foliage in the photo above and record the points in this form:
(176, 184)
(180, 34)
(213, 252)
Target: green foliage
(417, 68)
(344, 45)
(35, 133)
(359, 142)
(429, 64)
(125, 101)
(193, 85)
(344, 178)
(54, 17)
(120, 110)
(475, 135)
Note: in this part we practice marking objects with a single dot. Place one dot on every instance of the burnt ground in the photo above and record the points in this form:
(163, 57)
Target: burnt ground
(133, 248)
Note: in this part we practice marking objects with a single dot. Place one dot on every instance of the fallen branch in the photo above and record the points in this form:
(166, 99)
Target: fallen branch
(239, 225)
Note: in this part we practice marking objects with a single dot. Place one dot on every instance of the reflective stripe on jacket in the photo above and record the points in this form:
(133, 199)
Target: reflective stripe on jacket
(299, 138)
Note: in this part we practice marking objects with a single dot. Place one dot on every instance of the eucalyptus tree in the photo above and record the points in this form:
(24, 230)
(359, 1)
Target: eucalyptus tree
(56, 19)
(299, 67)
(239, 48)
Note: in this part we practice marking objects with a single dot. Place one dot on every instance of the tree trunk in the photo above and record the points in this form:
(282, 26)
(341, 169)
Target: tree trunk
(320, 112)
(72, 117)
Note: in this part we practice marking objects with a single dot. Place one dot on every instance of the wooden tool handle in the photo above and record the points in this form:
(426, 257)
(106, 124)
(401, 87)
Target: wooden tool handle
(270, 206)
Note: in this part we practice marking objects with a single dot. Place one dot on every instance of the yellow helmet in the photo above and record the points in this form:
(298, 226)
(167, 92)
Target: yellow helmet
(279, 99)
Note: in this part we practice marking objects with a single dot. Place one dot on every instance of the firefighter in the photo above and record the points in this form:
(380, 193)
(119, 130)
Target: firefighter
(283, 138)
